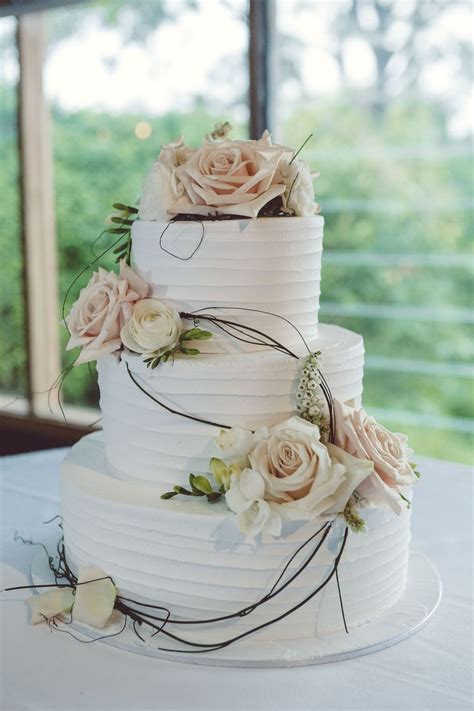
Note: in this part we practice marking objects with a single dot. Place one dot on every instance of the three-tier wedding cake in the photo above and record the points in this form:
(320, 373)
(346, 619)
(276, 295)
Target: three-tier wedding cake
(238, 486)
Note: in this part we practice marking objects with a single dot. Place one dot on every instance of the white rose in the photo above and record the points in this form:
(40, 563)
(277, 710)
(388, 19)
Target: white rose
(103, 306)
(161, 188)
(254, 514)
(360, 435)
(299, 191)
(231, 178)
(153, 328)
(300, 474)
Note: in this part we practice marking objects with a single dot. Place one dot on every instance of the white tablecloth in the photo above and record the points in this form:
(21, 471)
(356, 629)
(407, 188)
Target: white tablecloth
(431, 670)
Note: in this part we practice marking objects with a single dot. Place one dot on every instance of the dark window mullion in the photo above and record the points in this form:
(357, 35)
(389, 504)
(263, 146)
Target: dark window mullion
(261, 33)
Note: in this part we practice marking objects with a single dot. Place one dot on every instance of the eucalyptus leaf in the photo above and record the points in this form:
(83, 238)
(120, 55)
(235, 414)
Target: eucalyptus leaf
(189, 351)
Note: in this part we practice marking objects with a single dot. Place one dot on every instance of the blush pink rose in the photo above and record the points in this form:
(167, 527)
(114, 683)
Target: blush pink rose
(230, 178)
(362, 436)
(101, 310)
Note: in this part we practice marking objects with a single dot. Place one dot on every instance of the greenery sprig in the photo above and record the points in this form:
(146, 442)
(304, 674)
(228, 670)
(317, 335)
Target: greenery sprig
(213, 487)
(125, 218)
(192, 334)
(200, 486)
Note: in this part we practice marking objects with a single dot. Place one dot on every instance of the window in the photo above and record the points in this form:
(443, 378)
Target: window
(382, 85)
(13, 352)
(385, 89)
(117, 92)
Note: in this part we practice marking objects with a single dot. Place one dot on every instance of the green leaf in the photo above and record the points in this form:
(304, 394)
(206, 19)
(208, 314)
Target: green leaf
(407, 501)
(189, 351)
(118, 230)
(202, 483)
(122, 248)
(124, 208)
(169, 495)
(196, 334)
(121, 220)
(204, 335)
(190, 334)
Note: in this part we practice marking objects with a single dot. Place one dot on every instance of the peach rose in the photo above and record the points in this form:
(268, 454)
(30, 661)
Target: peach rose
(360, 435)
(102, 308)
(230, 178)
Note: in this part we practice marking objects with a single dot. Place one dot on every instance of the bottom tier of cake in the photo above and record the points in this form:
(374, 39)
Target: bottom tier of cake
(190, 557)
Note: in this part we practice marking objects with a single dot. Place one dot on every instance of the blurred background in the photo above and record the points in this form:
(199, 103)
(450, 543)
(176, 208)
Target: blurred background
(89, 92)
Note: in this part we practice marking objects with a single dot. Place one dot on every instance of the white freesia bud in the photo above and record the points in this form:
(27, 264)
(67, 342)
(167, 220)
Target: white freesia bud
(154, 327)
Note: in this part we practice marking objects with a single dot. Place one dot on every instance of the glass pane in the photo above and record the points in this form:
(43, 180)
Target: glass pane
(120, 86)
(13, 360)
(385, 88)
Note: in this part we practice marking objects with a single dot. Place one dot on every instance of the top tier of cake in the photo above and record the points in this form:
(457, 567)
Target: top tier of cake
(270, 265)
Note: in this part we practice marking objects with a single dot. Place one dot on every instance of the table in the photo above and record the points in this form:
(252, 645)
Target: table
(431, 670)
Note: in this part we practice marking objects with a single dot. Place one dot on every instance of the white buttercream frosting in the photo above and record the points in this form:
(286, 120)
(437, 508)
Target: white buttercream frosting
(190, 556)
(144, 441)
(269, 264)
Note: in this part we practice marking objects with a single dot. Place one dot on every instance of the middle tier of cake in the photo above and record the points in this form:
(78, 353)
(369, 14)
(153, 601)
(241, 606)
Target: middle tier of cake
(145, 441)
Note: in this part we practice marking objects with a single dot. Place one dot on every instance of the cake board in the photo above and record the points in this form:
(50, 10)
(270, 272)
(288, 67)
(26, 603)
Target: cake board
(405, 618)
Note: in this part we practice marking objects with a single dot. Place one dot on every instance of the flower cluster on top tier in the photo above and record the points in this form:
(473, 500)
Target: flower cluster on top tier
(225, 177)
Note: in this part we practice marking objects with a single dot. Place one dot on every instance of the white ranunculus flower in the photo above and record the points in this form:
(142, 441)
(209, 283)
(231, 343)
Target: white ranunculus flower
(161, 188)
(299, 191)
(307, 478)
(231, 178)
(153, 328)
(362, 436)
(101, 310)
(245, 498)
